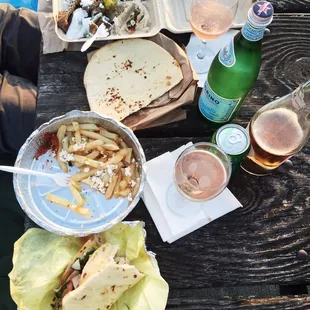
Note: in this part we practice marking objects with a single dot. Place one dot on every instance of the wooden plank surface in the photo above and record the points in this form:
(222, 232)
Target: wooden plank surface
(252, 251)
(285, 65)
(291, 6)
(261, 239)
(277, 303)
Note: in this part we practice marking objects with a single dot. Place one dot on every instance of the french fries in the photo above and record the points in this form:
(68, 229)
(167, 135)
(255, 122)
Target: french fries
(60, 136)
(110, 147)
(128, 156)
(60, 201)
(96, 136)
(78, 177)
(77, 133)
(65, 144)
(77, 195)
(93, 145)
(92, 155)
(116, 188)
(91, 127)
(116, 159)
(107, 134)
(109, 192)
(104, 160)
(122, 185)
(76, 185)
(87, 161)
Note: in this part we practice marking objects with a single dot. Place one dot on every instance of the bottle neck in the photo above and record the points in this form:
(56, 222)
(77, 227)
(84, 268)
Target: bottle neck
(251, 35)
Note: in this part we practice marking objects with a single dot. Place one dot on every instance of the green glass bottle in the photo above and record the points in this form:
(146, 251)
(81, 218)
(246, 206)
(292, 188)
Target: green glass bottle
(235, 69)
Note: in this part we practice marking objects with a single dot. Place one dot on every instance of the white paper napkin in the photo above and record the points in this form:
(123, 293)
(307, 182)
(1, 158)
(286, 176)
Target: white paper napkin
(171, 226)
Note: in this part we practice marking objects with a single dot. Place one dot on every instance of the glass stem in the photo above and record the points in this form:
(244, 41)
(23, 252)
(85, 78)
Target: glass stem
(201, 54)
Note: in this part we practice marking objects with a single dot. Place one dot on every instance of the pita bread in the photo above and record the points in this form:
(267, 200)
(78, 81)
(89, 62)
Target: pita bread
(102, 290)
(103, 256)
(126, 76)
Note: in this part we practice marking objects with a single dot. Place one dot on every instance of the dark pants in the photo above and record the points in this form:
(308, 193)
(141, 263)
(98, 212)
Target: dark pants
(19, 60)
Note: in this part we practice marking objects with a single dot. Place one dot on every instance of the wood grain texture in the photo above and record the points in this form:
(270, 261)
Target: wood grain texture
(287, 303)
(253, 245)
(291, 6)
(285, 64)
(252, 251)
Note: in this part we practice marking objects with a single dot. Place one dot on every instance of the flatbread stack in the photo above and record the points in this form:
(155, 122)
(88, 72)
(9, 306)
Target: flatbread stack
(125, 76)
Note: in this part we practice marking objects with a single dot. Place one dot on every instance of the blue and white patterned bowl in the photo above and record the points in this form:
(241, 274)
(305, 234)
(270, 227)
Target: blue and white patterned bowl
(31, 190)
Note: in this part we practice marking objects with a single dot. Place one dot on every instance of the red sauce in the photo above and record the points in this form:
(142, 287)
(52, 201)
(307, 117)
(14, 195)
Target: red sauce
(49, 142)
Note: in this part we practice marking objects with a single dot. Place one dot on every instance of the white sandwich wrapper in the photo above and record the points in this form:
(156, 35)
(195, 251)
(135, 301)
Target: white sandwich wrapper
(172, 15)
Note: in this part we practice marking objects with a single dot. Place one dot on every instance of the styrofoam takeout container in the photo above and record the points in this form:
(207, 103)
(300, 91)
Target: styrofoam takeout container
(172, 15)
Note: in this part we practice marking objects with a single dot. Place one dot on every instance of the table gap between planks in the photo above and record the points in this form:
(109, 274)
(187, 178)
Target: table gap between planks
(247, 259)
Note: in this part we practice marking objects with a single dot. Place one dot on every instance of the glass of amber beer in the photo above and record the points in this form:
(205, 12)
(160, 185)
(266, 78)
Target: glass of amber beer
(278, 131)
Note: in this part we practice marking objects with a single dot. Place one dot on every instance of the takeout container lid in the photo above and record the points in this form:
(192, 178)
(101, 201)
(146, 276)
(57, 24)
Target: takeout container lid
(172, 15)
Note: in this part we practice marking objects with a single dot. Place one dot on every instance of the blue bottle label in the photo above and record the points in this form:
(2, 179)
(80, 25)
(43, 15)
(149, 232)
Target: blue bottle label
(252, 33)
(227, 55)
(214, 107)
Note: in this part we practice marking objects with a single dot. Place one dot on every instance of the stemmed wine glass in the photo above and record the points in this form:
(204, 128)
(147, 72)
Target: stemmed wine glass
(209, 20)
(201, 173)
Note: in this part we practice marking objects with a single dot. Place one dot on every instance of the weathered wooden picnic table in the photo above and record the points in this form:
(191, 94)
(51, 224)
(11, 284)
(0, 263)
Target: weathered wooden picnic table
(256, 257)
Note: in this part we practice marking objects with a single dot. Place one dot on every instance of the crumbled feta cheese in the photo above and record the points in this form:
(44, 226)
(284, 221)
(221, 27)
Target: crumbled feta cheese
(86, 169)
(85, 3)
(79, 146)
(100, 173)
(129, 197)
(65, 156)
(98, 184)
(127, 172)
(110, 169)
(132, 183)
(101, 6)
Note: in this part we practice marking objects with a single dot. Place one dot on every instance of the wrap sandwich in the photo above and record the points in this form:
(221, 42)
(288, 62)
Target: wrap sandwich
(96, 278)
(112, 270)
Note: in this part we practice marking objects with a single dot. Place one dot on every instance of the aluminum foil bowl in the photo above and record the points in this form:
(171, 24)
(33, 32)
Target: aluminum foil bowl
(31, 190)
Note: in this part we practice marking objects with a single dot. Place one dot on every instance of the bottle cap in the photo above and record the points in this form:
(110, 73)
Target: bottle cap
(261, 14)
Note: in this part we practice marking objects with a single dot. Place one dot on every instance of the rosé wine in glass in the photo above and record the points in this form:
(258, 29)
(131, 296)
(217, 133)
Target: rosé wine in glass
(210, 19)
(201, 173)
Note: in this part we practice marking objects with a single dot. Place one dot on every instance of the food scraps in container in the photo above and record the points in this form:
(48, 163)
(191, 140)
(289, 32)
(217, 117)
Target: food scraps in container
(83, 17)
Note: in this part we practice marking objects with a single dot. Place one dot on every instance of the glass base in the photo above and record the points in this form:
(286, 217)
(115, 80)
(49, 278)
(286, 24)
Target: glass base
(253, 168)
(200, 57)
(180, 205)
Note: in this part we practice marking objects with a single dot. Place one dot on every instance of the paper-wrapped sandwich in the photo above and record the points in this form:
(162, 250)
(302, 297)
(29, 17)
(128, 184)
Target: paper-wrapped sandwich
(111, 271)
(96, 278)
